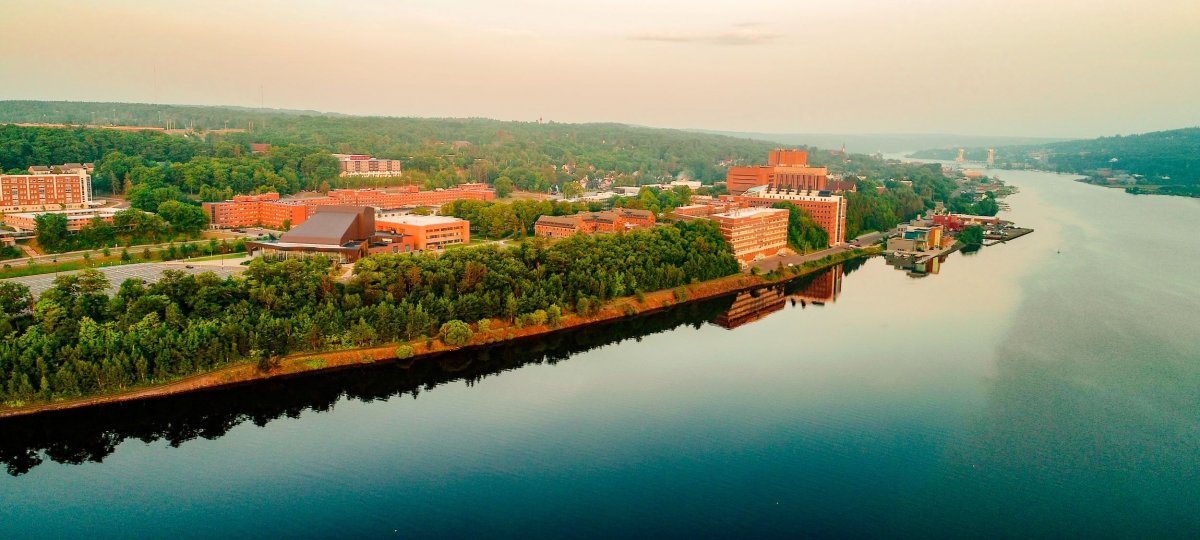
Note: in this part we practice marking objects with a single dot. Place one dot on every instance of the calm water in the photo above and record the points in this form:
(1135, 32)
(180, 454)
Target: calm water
(1051, 385)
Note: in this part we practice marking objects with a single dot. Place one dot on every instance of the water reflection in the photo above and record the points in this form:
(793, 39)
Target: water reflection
(756, 304)
(75, 437)
(90, 435)
(917, 265)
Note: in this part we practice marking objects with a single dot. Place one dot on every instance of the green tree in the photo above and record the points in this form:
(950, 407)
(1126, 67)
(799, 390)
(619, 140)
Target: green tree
(503, 187)
(456, 333)
(51, 231)
(971, 235)
(184, 218)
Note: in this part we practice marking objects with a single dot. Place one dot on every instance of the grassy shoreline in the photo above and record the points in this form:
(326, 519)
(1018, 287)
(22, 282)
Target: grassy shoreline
(309, 362)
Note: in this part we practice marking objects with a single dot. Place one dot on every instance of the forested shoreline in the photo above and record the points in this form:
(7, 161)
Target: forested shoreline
(78, 341)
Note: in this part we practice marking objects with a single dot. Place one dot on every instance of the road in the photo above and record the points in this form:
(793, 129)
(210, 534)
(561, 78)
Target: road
(771, 263)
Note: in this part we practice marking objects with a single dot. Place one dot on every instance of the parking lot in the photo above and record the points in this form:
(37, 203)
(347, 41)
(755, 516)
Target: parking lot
(151, 272)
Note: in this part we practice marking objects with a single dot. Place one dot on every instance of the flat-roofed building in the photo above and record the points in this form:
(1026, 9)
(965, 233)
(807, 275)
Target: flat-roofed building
(76, 219)
(256, 210)
(270, 211)
(826, 209)
(47, 188)
(753, 233)
(427, 232)
(364, 165)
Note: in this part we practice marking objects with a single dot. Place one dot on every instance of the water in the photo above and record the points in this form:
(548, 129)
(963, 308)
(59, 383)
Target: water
(1046, 386)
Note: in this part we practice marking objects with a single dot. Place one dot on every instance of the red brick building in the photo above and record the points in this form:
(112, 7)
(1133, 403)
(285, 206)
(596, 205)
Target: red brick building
(364, 165)
(615, 220)
(270, 211)
(46, 188)
(828, 211)
(754, 232)
(785, 170)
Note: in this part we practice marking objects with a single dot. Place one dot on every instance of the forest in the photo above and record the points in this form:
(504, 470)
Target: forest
(153, 167)
(78, 340)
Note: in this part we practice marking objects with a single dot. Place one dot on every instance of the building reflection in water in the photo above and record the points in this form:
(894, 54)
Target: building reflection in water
(915, 265)
(755, 304)
(91, 434)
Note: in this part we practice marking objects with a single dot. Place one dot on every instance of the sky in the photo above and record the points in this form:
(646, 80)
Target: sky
(1053, 68)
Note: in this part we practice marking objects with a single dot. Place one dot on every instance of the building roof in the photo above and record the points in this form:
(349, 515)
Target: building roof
(414, 219)
(323, 228)
(558, 221)
(749, 212)
(634, 212)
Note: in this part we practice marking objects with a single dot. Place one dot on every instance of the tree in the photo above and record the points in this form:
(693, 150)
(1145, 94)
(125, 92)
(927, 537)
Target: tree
(971, 235)
(456, 333)
(803, 233)
(184, 218)
(572, 190)
(503, 187)
(51, 231)
(15, 299)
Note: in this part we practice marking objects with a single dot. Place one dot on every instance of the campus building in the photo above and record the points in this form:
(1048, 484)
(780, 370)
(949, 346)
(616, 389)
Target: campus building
(364, 165)
(253, 210)
(754, 232)
(268, 210)
(343, 233)
(426, 232)
(749, 306)
(47, 188)
(76, 219)
(785, 170)
(827, 210)
(615, 220)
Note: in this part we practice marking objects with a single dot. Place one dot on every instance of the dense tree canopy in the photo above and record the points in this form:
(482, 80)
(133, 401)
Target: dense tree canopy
(79, 340)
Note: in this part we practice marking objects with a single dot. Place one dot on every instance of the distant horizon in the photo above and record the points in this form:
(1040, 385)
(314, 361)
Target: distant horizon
(709, 130)
(1022, 68)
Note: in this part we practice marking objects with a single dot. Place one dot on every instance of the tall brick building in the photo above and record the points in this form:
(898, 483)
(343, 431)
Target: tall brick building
(754, 232)
(787, 177)
(46, 188)
(785, 170)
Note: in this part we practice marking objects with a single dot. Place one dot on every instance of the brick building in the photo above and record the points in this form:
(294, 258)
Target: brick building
(364, 165)
(270, 211)
(426, 232)
(615, 220)
(754, 232)
(343, 233)
(47, 188)
(827, 210)
(785, 170)
(76, 219)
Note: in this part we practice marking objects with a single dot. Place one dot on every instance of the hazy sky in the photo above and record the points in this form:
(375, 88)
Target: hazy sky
(1068, 68)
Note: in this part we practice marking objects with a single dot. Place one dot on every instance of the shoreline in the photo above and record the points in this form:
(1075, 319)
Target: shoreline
(247, 372)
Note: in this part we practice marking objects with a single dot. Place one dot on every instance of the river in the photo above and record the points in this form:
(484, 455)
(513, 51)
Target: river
(1048, 386)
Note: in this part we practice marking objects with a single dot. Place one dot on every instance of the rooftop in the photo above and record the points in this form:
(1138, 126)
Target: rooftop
(749, 212)
(414, 219)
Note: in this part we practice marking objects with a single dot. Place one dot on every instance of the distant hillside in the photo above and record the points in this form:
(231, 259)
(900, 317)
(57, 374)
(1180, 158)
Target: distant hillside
(870, 143)
(1170, 159)
(140, 114)
(535, 156)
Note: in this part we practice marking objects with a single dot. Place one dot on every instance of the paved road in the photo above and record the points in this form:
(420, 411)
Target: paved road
(771, 263)
(151, 272)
